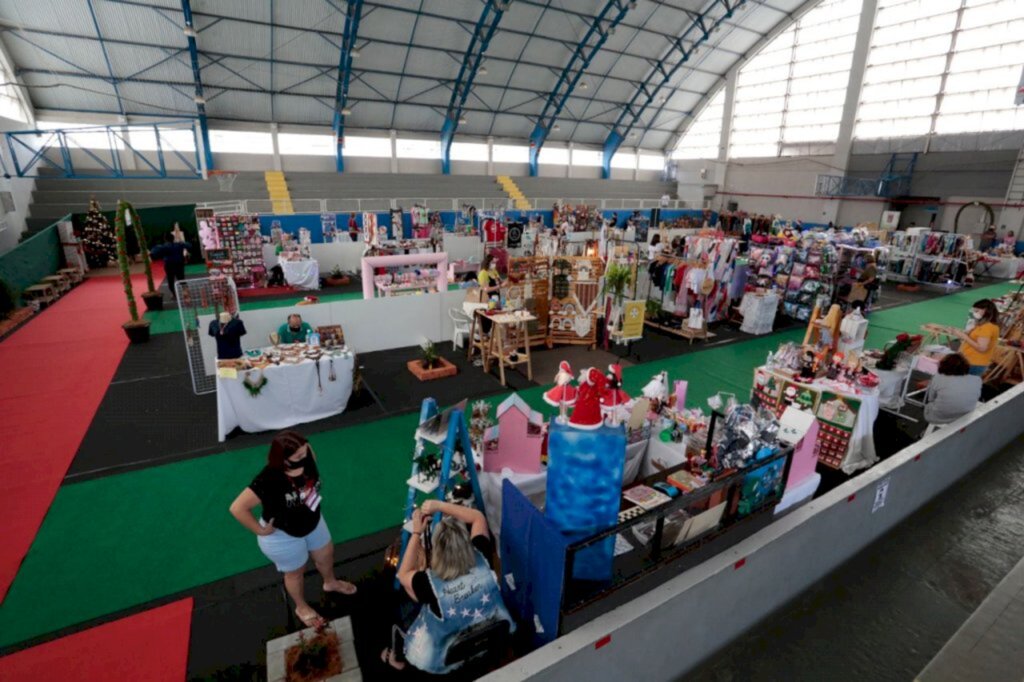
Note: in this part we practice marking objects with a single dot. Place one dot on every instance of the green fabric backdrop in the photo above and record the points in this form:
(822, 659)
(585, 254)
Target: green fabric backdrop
(156, 222)
(37, 257)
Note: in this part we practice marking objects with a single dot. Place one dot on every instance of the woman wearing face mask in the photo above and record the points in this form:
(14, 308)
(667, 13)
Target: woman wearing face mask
(978, 343)
(291, 528)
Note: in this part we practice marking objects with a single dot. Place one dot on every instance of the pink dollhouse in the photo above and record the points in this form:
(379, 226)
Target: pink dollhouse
(521, 432)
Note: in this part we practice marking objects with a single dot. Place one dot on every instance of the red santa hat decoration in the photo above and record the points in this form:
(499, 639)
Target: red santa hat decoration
(586, 414)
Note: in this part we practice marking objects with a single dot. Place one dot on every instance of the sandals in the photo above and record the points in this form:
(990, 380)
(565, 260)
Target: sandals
(312, 621)
(347, 589)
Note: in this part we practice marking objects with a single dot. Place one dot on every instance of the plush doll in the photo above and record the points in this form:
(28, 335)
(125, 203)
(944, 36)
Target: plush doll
(614, 399)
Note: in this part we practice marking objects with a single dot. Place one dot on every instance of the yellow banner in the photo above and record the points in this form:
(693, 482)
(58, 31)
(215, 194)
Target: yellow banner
(633, 319)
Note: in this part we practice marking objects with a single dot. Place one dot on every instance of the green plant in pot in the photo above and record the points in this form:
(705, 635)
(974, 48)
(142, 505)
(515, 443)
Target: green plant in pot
(153, 299)
(337, 278)
(136, 328)
(616, 279)
(429, 356)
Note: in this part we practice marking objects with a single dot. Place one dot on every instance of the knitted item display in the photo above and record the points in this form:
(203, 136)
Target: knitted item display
(98, 238)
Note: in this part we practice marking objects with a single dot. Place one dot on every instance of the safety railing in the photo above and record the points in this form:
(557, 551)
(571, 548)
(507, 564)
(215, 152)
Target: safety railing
(545, 203)
(266, 206)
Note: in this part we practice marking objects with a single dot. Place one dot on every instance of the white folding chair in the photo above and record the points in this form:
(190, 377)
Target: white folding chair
(461, 324)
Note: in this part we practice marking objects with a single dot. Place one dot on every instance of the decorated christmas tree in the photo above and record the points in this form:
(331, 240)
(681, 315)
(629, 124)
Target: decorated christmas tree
(98, 238)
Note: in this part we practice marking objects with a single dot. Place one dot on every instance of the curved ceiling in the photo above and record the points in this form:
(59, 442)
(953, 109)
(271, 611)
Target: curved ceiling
(267, 60)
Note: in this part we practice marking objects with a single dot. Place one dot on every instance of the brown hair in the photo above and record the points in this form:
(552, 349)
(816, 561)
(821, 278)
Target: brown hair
(284, 445)
(954, 365)
(990, 310)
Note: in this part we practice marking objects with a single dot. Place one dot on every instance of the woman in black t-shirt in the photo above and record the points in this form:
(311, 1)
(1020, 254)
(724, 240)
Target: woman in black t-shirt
(291, 528)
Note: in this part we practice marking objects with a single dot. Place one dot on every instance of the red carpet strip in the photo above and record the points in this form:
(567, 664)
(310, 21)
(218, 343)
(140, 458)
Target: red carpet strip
(53, 374)
(151, 646)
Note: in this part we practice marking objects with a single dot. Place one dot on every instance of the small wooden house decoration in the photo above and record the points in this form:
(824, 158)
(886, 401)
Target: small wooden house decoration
(515, 442)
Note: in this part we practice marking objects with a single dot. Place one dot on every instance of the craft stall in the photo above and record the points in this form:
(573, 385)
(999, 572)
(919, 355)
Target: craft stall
(280, 386)
(404, 274)
(233, 245)
(686, 294)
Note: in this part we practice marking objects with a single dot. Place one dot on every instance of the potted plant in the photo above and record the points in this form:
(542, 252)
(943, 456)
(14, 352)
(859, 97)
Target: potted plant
(431, 365)
(137, 329)
(616, 277)
(153, 299)
(337, 278)
(315, 657)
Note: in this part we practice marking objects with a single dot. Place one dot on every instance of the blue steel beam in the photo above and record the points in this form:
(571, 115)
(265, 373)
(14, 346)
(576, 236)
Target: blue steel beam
(603, 25)
(348, 40)
(490, 17)
(193, 53)
(106, 57)
(683, 47)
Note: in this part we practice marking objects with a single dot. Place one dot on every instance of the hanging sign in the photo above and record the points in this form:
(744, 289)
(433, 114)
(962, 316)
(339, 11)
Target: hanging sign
(633, 319)
(890, 220)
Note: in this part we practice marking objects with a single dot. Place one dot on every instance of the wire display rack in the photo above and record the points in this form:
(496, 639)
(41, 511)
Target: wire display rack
(196, 297)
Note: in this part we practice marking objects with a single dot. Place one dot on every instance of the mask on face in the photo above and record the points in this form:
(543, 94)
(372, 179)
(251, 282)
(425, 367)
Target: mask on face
(977, 314)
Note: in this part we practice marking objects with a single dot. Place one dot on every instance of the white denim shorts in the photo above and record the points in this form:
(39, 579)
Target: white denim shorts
(290, 553)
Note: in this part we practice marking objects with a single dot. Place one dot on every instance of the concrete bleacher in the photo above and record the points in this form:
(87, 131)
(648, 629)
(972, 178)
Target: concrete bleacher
(592, 188)
(54, 197)
(388, 185)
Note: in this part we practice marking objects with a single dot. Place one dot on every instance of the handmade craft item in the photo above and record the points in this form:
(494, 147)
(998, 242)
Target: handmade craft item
(563, 394)
(586, 414)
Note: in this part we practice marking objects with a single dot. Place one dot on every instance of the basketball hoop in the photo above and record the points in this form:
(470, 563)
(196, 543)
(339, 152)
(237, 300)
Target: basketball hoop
(225, 179)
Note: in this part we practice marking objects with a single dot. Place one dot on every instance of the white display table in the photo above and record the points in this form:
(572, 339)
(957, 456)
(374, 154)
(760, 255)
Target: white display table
(292, 395)
(301, 274)
(1007, 267)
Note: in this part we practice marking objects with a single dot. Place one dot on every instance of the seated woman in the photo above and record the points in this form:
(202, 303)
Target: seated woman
(953, 392)
(979, 341)
(456, 591)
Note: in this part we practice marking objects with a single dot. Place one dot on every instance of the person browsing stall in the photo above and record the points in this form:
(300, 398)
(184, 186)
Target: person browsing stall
(488, 277)
(1010, 241)
(455, 588)
(869, 273)
(980, 339)
(953, 392)
(175, 255)
(228, 331)
(294, 330)
(291, 528)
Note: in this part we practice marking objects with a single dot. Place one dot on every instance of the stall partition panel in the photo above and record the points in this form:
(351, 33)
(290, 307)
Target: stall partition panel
(584, 487)
(532, 564)
(205, 296)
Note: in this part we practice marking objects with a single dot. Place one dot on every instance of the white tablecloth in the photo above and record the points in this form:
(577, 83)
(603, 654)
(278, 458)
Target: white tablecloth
(890, 386)
(1006, 268)
(291, 396)
(301, 274)
(662, 455)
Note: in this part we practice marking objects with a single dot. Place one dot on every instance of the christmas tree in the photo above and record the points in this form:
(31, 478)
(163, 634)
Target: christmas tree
(98, 238)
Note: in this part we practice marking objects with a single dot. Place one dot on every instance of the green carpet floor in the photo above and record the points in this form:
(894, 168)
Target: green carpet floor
(119, 541)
